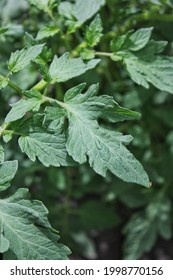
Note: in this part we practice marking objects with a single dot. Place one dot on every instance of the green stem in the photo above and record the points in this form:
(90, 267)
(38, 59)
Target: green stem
(54, 230)
(40, 85)
(52, 100)
(15, 87)
(13, 132)
(63, 37)
(59, 92)
(77, 50)
(103, 54)
(3, 127)
(51, 16)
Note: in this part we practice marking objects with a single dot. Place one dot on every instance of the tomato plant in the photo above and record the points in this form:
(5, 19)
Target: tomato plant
(86, 115)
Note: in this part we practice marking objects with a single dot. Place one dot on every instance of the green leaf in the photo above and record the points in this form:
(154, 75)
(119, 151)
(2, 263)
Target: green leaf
(47, 31)
(141, 235)
(3, 30)
(87, 54)
(103, 148)
(66, 9)
(94, 32)
(40, 4)
(4, 244)
(117, 43)
(44, 5)
(140, 38)
(21, 59)
(104, 105)
(71, 93)
(144, 227)
(144, 69)
(85, 244)
(1, 154)
(65, 68)
(48, 148)
(26, 230)
(7, 171)
(118, 113)
(142, 60)
(110, 110)
(7, 136)
(53, 3)
(20, 108)
(3, 82)
(133, 41)
(85, 10)
(37, 141)
(54, 118)
(33, 93)
(80, 10)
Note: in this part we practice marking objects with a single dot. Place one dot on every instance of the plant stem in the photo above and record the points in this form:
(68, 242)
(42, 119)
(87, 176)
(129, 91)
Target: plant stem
(3, 128)
(13, 132)
(103, 54)
(51, 16)
(15, 87)
(40, 85)
(63, 37)
(52, 100)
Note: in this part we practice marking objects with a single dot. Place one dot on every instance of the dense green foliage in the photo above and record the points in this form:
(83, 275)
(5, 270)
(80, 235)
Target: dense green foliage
(77, 88)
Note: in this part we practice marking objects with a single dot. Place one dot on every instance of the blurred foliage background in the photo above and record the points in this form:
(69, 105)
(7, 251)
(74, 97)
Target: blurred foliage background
(102, 218)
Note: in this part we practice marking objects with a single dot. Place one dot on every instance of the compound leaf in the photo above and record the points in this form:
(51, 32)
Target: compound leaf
(26, 230)
(104, 148)
(140, 55)
(156, 70)
(20, 59)
(104, 105)
(133, 41)
(64, 68)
